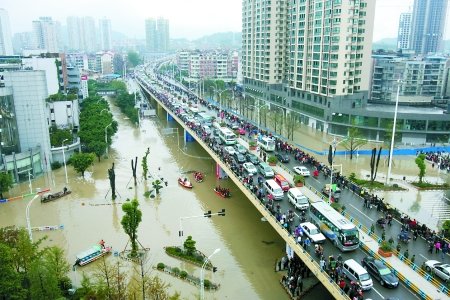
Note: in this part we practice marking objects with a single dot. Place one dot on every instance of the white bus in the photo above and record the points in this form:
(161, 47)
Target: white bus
(334, 226)
(266, 143)
(227, 136)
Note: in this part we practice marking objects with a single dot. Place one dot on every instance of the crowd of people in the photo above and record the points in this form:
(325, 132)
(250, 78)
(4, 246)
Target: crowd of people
(439, 159)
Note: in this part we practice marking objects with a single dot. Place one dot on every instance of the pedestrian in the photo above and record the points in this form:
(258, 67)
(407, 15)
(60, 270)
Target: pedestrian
(415, 235)
(383, 235)
(322, 263)
(406, 254)
(413, 258)
(300, 283)
(307, 243)
(437, 247)
(399, 247)
(372, 229)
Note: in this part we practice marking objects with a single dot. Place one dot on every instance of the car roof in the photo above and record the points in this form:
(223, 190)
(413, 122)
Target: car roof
(308, 224)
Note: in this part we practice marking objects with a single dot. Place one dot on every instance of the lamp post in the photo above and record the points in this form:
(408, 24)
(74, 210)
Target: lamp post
(202, 282)
(27, 215)
(391, 150)
(106, 138)
(334, 144)
(64, 160)
(29, 181)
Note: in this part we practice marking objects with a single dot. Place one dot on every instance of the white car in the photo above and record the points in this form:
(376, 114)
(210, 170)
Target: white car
(440, 269)
(302, 170)
(241, 149)
(250, 168)
(230, 150)
(313, 233)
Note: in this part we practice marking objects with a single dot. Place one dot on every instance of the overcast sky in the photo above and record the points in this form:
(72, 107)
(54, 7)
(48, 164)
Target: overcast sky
(188, 18)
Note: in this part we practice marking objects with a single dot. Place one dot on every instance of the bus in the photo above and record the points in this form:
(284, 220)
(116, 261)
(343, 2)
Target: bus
(227, 136)
(266, 143)
(334, 226)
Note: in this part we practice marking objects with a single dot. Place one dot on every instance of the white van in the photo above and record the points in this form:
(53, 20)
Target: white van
(296, 197)
(274, 189)
(356, 272)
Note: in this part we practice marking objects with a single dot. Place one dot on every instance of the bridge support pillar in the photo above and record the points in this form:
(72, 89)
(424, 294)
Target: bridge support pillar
(187, 137)
(220, 173)
(169, 117)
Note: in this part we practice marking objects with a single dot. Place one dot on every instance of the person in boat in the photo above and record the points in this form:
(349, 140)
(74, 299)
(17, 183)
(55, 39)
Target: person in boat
(65, 190)
(102, 243)
(185, 179)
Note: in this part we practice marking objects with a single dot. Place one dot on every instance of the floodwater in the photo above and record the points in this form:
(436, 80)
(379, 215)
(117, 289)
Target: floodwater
(249, 247)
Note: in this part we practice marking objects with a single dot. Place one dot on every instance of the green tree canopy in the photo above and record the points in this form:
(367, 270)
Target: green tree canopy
(6, 183)
(420, 162)
(189, 245)
(133, 58)
(82, 161)
(130, 223)
(57, 136)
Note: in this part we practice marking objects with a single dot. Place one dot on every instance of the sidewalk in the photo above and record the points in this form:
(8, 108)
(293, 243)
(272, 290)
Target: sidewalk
(413, 280)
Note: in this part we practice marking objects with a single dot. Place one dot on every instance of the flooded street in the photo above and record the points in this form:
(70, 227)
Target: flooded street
(249, 247)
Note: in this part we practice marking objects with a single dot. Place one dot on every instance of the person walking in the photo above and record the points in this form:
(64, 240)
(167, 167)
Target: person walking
(322, 263)
(406, 254)
(437, 247)
(413, 258)
(300, 284)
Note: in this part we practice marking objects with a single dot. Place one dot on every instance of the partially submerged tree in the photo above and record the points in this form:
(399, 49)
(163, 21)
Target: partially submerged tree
(130, 223)
(82, 161)
(6, 183)
(374, 164)
(189, 245)
(291, 124)
(144, 164)
(354, 140)
(420, 162)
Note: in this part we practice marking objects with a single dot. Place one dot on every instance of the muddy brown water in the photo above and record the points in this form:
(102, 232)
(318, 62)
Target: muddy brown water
(248, 246)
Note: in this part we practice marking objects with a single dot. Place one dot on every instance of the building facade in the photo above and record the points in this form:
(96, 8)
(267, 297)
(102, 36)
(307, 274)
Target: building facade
(404, 31)
(312, 60)
(46, 34)
(82, 34)
(423, 79)
(6, 47)
(105, 34)
(209, 64)
(428, 24)
(157, 35)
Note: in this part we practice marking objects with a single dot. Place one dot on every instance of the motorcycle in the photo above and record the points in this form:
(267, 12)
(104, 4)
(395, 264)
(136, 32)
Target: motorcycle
(404, 237)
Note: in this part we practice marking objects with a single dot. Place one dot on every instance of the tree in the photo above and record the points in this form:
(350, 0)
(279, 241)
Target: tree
(144, 164)
(82, 161)
(130, 222)
(189, 245)
(133, 58)
(354, 140)
(43, 284)
(55, 263)
(420, 162)
(374, 164)
(277, 120)
(291, 125)
(6, 183)
(57, 136)
(10, 283)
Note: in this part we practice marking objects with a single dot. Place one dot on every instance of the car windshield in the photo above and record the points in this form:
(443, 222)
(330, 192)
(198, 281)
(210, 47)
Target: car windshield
(385, 271)
(364, 277)
(284, 183)
(314, 231)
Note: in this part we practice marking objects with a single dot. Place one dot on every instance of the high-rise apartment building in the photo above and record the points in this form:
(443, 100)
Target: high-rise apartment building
(404, 31)
(105, 34)
(6, 47)
(82, 34)
(157, 35)
(428, 23)
(46, 34)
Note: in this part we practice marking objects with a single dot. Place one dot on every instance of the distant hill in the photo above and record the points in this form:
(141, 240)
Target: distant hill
(223, 40)
(386, 44)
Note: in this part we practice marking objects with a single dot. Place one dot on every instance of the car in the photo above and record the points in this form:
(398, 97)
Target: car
(250, 168)
(380, 272)
(252, 158)
(230, 150)
(312, 232)
(240, 158)
(234, 127)
(284, 158)
(217, 140)
(241, 149)
(440, 269)
(302, 171)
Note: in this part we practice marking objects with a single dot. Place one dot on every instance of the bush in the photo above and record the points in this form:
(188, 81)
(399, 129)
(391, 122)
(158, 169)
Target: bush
(252, 144)
(56, 165)
(183, 274)
(160, 266)
(386, 246)
(352, 177)
(395, 185)
(299, 179)
(336, 206)
(206, 283)
(272, 159)
(176, 271)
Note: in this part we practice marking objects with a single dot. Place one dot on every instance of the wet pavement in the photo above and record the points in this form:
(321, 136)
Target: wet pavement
(249, 247)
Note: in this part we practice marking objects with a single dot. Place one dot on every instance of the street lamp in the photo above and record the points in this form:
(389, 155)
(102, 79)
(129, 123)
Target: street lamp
(331, 154)
(27, 215)
(202, 283)
(29, 181)
(106, 138)
(64, 159)
(391, 150)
